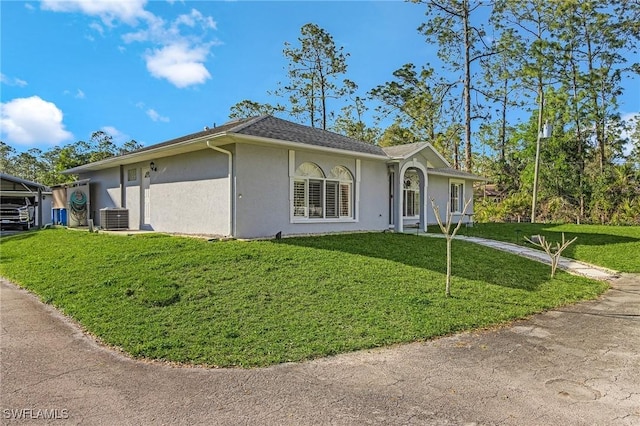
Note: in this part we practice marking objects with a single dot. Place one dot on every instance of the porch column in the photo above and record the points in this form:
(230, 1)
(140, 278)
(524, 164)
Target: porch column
(423, 200)
(398, 197)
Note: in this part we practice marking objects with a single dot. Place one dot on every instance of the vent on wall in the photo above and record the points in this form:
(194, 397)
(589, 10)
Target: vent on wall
(112, 219)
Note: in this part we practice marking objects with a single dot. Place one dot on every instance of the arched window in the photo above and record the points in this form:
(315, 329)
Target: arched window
(411, 194)
(318, 197)
(311, 170)
(339, 198)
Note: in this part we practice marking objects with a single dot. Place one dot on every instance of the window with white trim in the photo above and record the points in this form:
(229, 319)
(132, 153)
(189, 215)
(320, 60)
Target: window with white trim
(411, 194)
(316, 196)
(456, 195)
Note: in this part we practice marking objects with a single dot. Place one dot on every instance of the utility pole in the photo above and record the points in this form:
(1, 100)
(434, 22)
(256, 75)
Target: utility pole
(543, 133)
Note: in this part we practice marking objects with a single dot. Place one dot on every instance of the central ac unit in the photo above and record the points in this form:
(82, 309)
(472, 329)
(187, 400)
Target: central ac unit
(112, 219)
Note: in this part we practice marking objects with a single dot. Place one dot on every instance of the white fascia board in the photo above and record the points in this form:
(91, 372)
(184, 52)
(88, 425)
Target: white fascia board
(417, 150)
(303, 146)
(135, 157)
(440, 156)
(468, 176)
(421, 148)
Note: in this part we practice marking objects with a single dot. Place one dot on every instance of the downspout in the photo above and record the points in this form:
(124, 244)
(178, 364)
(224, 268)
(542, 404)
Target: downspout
(232, 210)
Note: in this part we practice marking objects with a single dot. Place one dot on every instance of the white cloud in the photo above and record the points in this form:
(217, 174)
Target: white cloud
(78, 95)
(129, 11)
(118, 136)
(155, 116)
(195, 17)
(27, 121)
(179, 47)
(97, 27)
(179, 63)
(12, 81)
(29, 6)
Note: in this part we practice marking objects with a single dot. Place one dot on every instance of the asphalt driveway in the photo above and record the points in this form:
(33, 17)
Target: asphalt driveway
(578, 365)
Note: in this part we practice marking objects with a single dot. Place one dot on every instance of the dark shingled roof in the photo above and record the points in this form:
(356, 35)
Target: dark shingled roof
(270, 127)
(276, 128)
(208, 132)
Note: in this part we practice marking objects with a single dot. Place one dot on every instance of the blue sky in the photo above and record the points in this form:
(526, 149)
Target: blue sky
(156, 70)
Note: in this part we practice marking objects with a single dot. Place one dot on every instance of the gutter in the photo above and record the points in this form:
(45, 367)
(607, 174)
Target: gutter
(239, 137)
(232, 198)
(134, 157)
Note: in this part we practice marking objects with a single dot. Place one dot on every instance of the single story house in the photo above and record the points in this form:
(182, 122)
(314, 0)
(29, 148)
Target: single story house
(260, 176)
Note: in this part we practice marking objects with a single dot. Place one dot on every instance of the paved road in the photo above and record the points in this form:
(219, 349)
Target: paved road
(574, 366)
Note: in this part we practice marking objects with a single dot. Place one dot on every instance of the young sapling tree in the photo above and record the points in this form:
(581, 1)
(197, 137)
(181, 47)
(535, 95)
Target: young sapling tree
(449, 234)
(553, 252)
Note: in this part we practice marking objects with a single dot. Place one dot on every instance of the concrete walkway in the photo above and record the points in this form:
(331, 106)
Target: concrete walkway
(569, 265)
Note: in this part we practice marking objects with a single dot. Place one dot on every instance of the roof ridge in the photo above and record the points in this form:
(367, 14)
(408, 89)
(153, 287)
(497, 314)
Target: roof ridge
(247, 123)
(304, 127)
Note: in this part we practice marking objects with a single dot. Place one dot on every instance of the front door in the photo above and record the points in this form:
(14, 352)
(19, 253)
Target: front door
(145, 194)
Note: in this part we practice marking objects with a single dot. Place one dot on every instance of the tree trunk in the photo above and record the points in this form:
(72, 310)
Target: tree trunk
(538, 141)
(467, 87)
(447, 290)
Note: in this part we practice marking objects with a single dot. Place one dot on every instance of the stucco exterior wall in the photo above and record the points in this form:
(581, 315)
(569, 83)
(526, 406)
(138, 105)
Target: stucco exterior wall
(104, 190)
(132, 193)
(189, 193)
(439, 190)
(263, 192)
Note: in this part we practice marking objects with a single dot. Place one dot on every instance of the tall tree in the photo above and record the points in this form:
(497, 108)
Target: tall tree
(315, 67)
(501, 89)
(414, 99)
(248, 108)
(7, 153)
(351, 123)
(461, 45)
(529, 22)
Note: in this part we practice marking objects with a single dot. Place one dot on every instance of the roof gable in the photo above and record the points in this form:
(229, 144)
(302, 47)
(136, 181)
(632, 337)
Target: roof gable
(402, 152)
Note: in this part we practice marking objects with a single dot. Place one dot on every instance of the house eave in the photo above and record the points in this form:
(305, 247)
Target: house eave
(237, 137)
(465, 176)
(419, 149)
(146, 155)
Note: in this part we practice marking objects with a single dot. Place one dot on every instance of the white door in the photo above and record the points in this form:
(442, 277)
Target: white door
(146, 198)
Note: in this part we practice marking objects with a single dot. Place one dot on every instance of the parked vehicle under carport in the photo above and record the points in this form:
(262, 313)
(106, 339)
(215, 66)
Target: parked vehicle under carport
(17, 212)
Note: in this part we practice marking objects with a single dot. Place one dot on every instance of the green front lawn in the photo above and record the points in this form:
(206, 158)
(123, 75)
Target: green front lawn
(614, 247)
(259, 303)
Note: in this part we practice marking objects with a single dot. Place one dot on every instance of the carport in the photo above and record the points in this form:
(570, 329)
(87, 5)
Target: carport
(38, 194)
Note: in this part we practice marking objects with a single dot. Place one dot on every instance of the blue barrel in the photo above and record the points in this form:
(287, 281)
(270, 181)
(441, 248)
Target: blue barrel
(63, 217)
(55, 216)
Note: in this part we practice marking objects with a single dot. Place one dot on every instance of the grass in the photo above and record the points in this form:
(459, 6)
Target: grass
(265, 302)
(614, 247)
